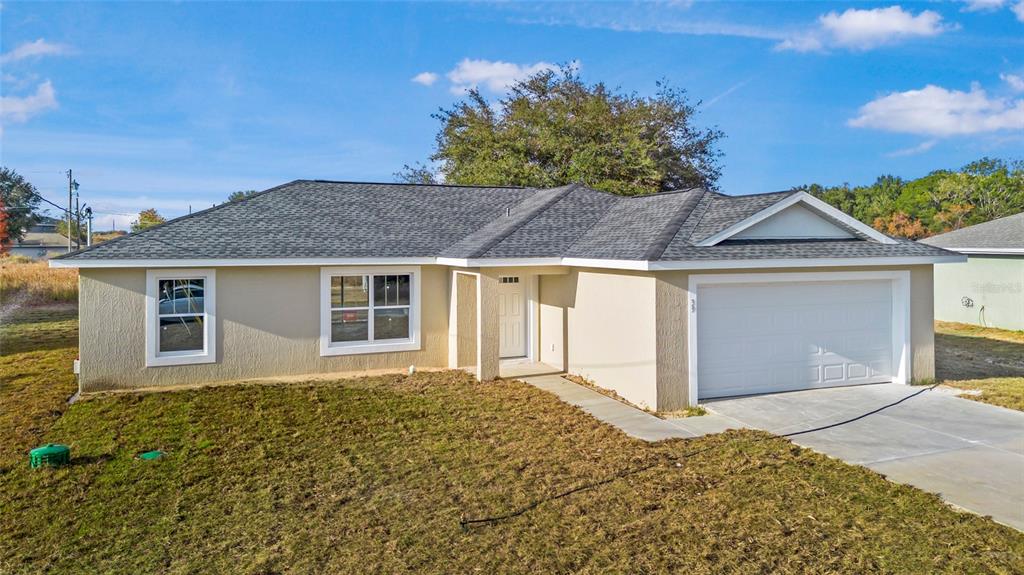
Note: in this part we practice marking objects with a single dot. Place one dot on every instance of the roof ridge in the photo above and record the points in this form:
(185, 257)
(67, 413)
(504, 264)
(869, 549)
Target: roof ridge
(504, 187)
(731, 196)
(700, 218)
(671, 228)
(190, 215)
(526, 218)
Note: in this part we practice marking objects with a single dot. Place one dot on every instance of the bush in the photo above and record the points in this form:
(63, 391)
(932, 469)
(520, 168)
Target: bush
(21, 277)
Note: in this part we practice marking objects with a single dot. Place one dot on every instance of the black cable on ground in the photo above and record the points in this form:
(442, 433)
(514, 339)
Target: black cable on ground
(466, 523)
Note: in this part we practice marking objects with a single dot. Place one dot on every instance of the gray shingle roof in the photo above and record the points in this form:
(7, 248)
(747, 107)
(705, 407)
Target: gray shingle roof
(311, 219)
(1004, 233)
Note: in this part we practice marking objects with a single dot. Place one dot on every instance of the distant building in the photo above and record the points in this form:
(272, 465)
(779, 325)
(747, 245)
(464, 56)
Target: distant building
(41, 241)
(988, 290)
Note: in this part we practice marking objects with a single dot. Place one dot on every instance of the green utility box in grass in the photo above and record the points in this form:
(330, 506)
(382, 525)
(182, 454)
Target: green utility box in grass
(51, 455)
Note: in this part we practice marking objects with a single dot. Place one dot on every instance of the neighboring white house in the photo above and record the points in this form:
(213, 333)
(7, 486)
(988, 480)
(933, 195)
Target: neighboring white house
(41, 241)
(988, 289)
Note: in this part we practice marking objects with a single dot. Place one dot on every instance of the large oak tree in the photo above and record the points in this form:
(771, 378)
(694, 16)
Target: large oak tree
(553, 129)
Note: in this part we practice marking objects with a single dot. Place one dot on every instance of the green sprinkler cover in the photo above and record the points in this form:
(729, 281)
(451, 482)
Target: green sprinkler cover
(148, 455)
(51, 454)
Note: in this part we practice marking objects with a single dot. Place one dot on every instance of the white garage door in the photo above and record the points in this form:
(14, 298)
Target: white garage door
(768, 337)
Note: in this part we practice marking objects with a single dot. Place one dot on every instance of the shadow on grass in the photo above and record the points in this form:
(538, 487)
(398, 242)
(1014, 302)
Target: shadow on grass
(42, 314)
(960, 358)
(43, 341)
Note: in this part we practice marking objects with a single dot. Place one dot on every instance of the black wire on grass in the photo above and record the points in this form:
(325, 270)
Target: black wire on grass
(466, 523)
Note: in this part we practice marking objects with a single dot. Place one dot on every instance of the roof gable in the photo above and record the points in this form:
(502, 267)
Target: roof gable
(794, 223)
(830, 215)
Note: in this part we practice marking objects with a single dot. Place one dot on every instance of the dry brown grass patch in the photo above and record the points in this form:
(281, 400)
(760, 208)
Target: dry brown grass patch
(34, 282)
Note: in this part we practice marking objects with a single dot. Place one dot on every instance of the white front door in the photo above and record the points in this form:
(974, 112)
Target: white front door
(769, 337)
(512, 316)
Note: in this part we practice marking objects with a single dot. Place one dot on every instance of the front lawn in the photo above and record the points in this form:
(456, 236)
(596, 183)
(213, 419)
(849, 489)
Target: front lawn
(374, 475)
(988, 360)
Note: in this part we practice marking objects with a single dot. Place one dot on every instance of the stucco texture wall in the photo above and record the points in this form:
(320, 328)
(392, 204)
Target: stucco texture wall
(268, 324)
(602, 323)
(993, 286)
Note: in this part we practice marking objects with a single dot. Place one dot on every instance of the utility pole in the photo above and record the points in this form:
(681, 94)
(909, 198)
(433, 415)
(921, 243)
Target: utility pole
(88, 226)
(72, 186)
(78, 223)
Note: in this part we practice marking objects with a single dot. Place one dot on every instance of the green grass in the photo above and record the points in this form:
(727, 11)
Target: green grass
(374, 475)
(37, 348)
(988, 360)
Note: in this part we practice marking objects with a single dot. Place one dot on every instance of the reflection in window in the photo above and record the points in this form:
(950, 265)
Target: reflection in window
(181, 313)
(356, 317)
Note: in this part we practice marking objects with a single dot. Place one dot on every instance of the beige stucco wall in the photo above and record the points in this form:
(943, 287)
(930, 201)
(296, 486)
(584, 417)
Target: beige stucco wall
(268, 324)
(922, 323)
(552, 318)
(602, 323)
(465, 319)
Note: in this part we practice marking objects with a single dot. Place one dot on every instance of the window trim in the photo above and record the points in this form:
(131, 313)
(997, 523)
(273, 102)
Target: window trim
(209, 353)
(412, 343)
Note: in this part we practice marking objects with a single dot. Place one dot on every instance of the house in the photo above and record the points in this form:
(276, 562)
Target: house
(667, 299)
(988, 290)
(41, 241)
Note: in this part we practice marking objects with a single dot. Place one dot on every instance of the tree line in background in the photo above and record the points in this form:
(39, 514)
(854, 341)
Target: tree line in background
(942, 201)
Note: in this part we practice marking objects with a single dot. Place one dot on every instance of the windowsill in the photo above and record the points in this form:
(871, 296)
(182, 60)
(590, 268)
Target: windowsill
(184, 359)
(361, 348)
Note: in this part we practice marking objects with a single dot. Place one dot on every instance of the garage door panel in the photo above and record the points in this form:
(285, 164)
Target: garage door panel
(763, 337)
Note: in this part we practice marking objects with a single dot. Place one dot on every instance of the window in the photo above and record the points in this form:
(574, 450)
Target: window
(369, 310)
(180, 318)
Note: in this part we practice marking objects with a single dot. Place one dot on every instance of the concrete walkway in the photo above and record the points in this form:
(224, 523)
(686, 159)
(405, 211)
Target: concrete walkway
(632, 421)
(970, 453)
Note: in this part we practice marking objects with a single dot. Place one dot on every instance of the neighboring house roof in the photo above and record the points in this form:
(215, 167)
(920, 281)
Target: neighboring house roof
(324, 219)
(42, 239)
(1005, 235)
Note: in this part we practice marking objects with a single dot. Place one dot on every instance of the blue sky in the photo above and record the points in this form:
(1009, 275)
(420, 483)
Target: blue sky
(171, 105)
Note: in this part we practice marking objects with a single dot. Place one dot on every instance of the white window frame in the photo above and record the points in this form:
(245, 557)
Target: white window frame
(156, 358)
(412, 343)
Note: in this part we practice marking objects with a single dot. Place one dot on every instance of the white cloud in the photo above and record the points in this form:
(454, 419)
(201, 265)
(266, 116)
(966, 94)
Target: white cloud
(1015, 82)
(425, 78)
(865, 29)
(496, 76)
(913, 150)
(34, 50)
(1018, 10)
(20, 109)
(936, 111)
(983, 5)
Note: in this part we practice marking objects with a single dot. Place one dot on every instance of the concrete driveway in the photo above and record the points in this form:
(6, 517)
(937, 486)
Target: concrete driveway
(970, 453)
